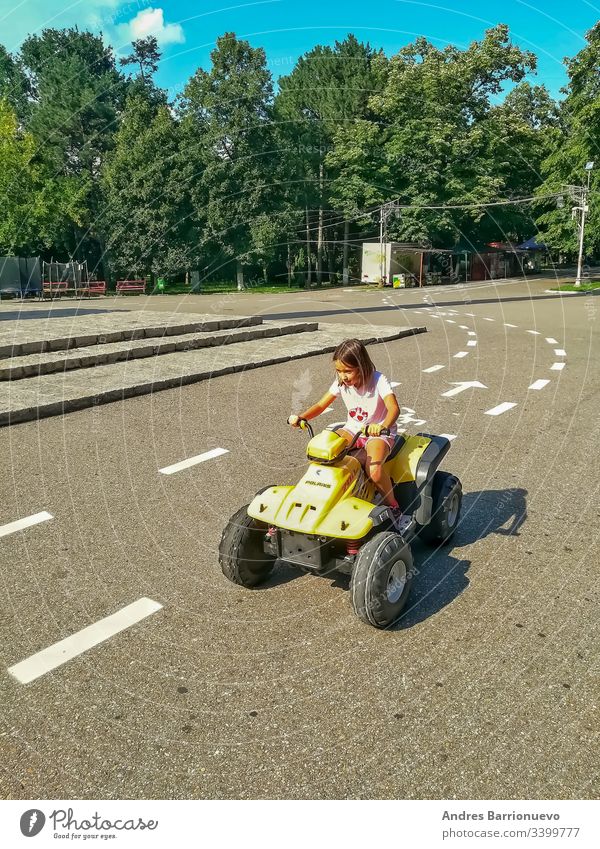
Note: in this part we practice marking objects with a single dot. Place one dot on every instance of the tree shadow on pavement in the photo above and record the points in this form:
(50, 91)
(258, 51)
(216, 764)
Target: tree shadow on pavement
(439, 576)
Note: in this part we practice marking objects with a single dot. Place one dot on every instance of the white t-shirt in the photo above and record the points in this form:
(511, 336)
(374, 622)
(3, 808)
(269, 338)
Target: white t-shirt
(365, 406)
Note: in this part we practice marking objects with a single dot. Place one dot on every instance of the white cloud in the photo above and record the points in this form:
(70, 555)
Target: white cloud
(20, 19)
(150, 22)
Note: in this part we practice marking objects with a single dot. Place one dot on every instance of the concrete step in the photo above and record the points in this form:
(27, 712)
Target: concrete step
(55, 394)
(62, 334)
(30, 365)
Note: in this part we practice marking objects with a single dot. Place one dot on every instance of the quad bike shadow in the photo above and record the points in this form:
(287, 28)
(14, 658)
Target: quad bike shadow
(440, 576)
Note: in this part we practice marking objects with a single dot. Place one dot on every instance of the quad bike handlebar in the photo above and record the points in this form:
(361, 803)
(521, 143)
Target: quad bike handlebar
(303, 424)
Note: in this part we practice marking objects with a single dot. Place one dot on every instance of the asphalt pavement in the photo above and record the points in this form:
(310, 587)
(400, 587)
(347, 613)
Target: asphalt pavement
(487, 688)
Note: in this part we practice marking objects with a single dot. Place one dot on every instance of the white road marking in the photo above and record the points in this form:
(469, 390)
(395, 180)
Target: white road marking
(460, 355)
(557, 366)
(551, 341)
(449, 321)
(463, 326)
(560, 352)
(328, 410)
(534, 332)
(489, 319)
(471, 333)
(539, 384)
(449, 436)
(20, 524)
(471, 343)
(192, 461)
(408, 409)
(394, 383)
(510, 325)
(52, 657)
(431, 369)
(461, 386)
(471, 314)
(501, 408)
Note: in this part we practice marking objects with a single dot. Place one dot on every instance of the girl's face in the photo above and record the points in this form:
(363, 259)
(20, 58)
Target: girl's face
(348, 375)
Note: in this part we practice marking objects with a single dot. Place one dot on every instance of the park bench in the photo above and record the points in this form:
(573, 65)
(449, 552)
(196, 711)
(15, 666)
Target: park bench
(95, 287)
(52, 289)
(124, 286)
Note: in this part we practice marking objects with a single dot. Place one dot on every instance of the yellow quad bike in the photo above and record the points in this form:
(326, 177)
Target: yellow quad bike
(332, 521)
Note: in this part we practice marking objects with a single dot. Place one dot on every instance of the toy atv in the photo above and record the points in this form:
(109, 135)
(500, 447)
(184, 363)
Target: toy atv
(331, 521)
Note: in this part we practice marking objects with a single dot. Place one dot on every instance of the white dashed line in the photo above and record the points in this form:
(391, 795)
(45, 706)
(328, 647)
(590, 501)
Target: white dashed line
(489, 319)
(551, 341)
(460, 355)
(462, 386)
(560, 352)
(463, 326)
(471, 333)
(192, 461)
(501, 408)
(510, 325)
(48, 659)
(534, 332)
(471, 343)
(20, 524)
(557, 366)
(471, 314)
(449, 321)
(449, 436)
(539, 384)
(431, 369)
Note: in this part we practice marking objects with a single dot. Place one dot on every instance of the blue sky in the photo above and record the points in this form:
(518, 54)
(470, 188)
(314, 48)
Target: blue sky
(187, 30)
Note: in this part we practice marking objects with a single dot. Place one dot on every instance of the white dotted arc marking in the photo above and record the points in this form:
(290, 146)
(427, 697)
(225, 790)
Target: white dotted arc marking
(534, 332)
(560, 352)
(489, 319)
(471, 333)
(431, 369)
(449, 436)
(557, 366)
(510, 325)
(461, 354)
(501, 408)
(539, 384)
(27, 522)
(471, 343)
(551, 341)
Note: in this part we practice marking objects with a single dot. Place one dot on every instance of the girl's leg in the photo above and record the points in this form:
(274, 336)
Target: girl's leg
(377, 451)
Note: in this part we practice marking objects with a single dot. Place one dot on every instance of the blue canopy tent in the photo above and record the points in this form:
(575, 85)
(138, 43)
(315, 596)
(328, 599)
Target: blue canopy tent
(532, 245)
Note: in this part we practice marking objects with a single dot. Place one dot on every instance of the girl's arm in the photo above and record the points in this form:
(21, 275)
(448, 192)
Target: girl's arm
(314, 411)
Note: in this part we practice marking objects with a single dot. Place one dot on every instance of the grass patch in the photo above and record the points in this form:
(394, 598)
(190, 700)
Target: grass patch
(571, 287)
(223, 287)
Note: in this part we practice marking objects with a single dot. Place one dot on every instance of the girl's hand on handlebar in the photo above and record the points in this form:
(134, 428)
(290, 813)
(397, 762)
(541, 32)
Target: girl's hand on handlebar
(294, 420)
(377, 430)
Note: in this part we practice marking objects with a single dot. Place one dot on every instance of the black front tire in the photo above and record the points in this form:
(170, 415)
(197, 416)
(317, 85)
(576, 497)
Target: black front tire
(447, 499)
(241, 551)
(381, 579)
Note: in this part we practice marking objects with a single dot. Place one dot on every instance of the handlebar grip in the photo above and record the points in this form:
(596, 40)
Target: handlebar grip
(385, 431)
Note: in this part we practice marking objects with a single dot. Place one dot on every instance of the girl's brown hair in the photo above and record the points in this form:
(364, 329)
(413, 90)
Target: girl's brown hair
(353, 353)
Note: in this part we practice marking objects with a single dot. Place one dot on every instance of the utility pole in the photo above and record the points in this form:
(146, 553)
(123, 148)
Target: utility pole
(385, 210)
(583, 207)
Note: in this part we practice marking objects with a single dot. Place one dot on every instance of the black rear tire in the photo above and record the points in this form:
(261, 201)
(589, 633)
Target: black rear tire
(241, 551)
(447, 498)
(381, 579)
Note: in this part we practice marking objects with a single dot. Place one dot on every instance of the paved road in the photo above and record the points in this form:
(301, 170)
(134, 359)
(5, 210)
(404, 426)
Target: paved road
(489, 688)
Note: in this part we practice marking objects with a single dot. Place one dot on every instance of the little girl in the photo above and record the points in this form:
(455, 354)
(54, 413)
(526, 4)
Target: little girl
(370, 401)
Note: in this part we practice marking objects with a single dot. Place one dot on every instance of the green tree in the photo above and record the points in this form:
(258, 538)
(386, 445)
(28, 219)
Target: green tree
(575, 143)
(33, 201)
(14, 86)
(435, 110)
(146, 55)
(227, 112)
(77, 96)
(147, 210)
(328, 90)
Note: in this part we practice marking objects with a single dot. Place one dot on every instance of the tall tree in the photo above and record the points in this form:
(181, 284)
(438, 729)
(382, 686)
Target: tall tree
(434, 109)
(146, 55)
(33, 201)
(327, 91)
(146, 214)
(14, 86)
(77, 96)
(575, 144)
(228, 112)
